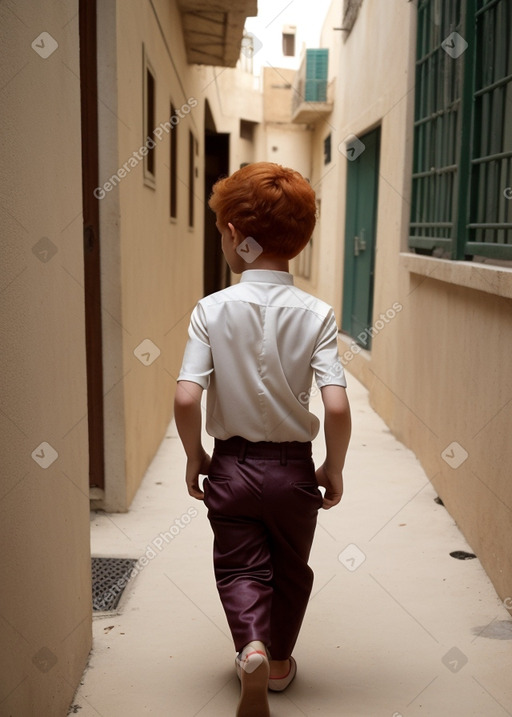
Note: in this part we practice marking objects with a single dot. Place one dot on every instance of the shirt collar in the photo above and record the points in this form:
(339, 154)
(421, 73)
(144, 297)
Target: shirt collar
(267, 276)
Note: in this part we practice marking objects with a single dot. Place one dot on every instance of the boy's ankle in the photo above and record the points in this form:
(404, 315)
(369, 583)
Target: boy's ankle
(279, 668)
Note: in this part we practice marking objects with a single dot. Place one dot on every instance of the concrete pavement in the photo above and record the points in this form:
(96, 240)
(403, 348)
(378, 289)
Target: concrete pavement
(395, 627)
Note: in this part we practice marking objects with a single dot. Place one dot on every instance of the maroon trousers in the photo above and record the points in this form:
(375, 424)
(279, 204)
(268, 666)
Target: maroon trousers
(263, 502)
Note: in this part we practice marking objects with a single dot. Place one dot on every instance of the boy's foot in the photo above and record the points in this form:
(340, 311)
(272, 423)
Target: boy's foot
(280, 682)
(253, 669)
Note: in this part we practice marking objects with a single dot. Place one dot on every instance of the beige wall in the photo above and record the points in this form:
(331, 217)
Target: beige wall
(234, 95)
(448, 364)
(285, 143)
(152, 265)
(45, 625)
(438, 373)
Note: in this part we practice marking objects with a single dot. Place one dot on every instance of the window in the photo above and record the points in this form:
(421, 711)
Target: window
(247, 130)
(327, 149)
(192, 151)
(304, 261)
(350, 11)
(173, 164)
(149, 122)
(249, 47)
(304, 265)
(462, 166)
(490, 228)
(289, 41)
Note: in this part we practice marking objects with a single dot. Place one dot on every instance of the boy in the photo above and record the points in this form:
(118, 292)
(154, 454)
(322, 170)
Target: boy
(254, 347)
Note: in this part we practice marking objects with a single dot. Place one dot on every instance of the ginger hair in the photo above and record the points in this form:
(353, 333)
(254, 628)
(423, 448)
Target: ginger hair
(273, 204)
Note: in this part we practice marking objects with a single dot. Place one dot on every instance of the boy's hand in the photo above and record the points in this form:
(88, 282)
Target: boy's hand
(195, 468)
(333, 484)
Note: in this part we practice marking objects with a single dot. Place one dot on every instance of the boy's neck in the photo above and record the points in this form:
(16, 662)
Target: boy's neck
(270, 263)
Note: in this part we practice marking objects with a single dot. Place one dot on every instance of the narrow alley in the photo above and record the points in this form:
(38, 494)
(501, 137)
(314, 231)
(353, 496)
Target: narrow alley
(118, 118)
(395, 626)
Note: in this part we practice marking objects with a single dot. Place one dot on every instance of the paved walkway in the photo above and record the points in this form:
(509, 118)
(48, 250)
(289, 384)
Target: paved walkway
(395, 627)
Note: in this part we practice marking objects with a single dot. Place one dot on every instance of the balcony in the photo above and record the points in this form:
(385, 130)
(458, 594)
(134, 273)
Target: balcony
(213, 29)
(311, 101)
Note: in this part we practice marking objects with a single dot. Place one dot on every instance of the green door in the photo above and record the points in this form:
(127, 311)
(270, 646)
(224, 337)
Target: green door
(360, 228)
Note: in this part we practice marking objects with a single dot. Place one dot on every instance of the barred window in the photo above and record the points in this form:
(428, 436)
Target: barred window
(327, 149)
(462, 167)
(149, 105)
(173, 167)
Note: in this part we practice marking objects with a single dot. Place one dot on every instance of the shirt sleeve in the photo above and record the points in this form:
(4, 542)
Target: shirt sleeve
(325, 360)
(197, 362)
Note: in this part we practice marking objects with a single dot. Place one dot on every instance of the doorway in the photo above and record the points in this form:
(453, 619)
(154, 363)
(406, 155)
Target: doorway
(216, 165)
(360, 231)
(92, 269)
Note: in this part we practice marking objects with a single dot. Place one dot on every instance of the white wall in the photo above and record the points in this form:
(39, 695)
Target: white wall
(268, 28)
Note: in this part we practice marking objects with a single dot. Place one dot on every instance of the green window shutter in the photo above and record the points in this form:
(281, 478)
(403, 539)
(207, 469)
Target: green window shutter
(316, 75)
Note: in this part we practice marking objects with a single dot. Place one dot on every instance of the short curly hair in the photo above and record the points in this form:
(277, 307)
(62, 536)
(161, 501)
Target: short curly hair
(273, 204)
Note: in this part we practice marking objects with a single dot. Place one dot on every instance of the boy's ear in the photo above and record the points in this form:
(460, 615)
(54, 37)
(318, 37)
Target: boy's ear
(235, 234)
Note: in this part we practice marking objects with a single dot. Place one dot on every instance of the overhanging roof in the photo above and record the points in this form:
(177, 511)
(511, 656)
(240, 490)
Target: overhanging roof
(213, 29)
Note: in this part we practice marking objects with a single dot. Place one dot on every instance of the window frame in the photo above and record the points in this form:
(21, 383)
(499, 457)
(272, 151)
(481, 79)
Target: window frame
(328, 149)
(350, 12)
(289, 43)
(173, 165)
(149, 120)
(452, 181)
(193, 149)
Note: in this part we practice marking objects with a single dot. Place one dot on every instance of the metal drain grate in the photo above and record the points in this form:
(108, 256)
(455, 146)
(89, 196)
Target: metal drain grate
(110, 576)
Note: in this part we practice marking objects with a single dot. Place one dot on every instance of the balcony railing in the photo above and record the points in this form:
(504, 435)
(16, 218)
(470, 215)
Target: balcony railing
(310, 101)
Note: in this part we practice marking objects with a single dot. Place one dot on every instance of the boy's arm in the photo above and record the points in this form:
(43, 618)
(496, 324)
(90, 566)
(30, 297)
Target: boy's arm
(187, 414)
(337, 428)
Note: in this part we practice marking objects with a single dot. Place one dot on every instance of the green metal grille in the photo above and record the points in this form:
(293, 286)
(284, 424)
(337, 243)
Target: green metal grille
(436, 128)
(463, 130)
(490, 227)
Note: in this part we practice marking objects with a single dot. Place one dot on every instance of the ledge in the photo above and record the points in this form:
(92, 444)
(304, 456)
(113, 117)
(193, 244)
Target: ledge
(213, 29)
(471, 274)
(311, 112)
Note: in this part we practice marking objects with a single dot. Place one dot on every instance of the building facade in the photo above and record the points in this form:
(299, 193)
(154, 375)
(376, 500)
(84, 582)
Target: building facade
(411, 166)
(112, 134)
(118, 120)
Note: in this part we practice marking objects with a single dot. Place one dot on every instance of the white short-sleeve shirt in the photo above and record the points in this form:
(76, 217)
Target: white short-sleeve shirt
(255, 347)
